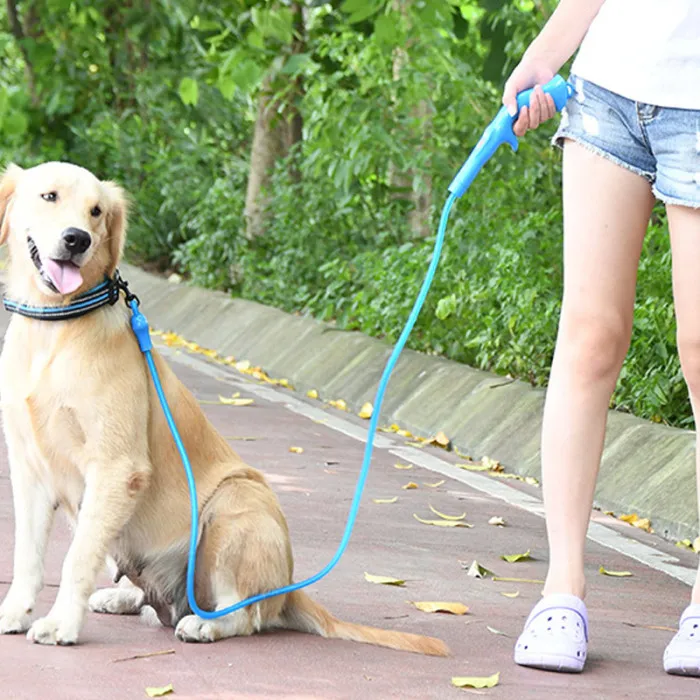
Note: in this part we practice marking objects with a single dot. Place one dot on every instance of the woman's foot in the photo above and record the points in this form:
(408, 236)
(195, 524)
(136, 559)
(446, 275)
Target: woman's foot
(555, 637)
(682, 655)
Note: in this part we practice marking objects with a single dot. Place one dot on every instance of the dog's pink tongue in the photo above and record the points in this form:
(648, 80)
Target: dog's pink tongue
(65, 275)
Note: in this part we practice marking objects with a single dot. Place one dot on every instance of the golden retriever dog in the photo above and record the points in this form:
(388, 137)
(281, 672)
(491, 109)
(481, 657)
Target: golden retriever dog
(85, 432)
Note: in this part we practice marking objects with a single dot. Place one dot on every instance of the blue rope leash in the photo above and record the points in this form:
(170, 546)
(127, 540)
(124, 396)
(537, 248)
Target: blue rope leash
(140, 327)
(499, 131)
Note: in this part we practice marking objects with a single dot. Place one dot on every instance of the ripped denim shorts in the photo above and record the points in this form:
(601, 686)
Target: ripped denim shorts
(659, 143)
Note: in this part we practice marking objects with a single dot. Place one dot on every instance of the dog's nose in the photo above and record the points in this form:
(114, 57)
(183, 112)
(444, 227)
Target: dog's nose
(76, 240)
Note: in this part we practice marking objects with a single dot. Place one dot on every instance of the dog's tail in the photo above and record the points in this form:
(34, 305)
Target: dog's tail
(301, 613)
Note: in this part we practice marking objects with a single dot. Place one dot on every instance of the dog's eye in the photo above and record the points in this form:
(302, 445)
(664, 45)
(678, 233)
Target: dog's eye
(50, 196)
(95, 211)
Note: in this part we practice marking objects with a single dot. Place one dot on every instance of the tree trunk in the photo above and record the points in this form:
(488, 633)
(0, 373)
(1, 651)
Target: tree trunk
(409, 185)
(270, 142)
(19, 34)
(278, 128)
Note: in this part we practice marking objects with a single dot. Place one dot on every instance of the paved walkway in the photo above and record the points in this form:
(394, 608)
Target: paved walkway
(630, 617)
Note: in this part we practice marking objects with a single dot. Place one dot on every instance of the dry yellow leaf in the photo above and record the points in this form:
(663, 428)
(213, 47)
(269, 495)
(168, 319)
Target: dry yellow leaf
(492, 464)
(235, 401)
(447, 517)
(339, 404)
(515, 594)
(243, 365)
(410, 485)
(404, 433)
(512, 558)
(497, 520)
(435, 484)
(475, 570)
(474, 467)
(386, 580)
(493, 630)
(442, 523)
(439, 439)
(393, 428)
(510, 579)
(366, 411)
(476, 681)
(398, 465)
(435, 607)
(419, 445)
(159, 692)
(312, 393)
(386, 500)
(619, 574)
(296, 450)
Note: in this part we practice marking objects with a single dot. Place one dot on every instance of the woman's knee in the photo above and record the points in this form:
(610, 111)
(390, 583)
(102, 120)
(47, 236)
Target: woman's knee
(689, 353)
(593, 346)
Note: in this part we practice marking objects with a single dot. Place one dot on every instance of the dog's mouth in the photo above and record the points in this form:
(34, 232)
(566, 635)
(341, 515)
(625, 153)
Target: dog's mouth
(60, 276)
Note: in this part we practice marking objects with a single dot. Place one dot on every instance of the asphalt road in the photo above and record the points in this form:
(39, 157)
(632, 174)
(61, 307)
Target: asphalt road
(631, 618)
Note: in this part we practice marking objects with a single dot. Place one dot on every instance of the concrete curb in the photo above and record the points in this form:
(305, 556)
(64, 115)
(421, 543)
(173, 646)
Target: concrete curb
(647, 468)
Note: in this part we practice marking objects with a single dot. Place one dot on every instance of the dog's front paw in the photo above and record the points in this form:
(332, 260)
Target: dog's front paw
(194, 629)
(117, 601)
(53, 630)
(13, 620)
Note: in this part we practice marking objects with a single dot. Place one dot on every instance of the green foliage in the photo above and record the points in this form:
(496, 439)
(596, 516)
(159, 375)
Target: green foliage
(161, 96)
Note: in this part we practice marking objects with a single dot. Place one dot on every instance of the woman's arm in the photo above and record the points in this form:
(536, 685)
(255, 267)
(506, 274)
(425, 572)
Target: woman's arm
(554, 45)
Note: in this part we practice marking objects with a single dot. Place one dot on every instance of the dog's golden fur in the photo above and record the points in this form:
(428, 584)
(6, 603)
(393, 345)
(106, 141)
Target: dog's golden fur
(85, 432)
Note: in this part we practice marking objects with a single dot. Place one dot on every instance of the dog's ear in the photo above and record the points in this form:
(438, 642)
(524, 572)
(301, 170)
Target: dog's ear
(116, 223)
(8, 183)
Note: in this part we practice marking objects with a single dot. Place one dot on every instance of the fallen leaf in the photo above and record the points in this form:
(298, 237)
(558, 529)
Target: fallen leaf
(442, 523)
(296, 450)
(366, 411)
(419, 445)
(634, 519)
(393, 428)
(497, 520)
(477, 571)
(619, 574)
(235, 401)
(660, 628)
(512, 558)
(434, 607)
(312, 393)
(514, 594)
(492, 464)
(510, 579)
(461, 455)
(474, 467)
(159, 692)
(386, 500)
(685, 544)
(476, 681)
(439, 439)
(398, 465)
(404, 433)
(410, 485)
(242, 366)
(339, 404)
(146, 655)
(696, 545)
(386, 580)
(435, 484)
(493, 630)
(447, 517)
(532, 481)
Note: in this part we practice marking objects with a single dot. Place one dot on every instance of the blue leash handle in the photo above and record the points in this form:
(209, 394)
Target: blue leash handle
(499, 131)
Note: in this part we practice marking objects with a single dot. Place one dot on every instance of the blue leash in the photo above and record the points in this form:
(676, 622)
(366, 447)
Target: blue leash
(499, 131)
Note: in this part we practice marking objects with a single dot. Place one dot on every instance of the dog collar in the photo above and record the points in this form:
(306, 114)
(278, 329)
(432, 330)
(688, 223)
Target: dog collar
(104, 294)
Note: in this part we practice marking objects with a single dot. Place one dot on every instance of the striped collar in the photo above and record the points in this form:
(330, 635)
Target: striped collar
(105, 293)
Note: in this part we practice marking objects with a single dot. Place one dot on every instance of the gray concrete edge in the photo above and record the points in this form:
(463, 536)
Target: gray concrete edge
(647, 468)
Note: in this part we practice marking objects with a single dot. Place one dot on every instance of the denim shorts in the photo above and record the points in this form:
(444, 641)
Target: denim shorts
(659, 143)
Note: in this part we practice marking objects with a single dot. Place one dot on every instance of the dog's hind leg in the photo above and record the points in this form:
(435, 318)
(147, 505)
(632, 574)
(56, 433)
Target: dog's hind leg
(240, 554)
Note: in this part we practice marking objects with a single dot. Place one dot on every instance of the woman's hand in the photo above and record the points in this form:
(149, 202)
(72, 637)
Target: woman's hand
(527, 74)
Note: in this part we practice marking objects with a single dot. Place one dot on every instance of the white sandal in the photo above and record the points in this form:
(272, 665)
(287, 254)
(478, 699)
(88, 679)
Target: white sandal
(555, 637)
(682, 655)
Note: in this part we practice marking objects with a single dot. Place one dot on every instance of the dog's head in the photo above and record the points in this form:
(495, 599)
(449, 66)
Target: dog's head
(65, 227)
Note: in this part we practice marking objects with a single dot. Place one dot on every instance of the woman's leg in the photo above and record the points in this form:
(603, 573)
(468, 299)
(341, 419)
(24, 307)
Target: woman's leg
(684, 225)
(606, 212)
(682, 655)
